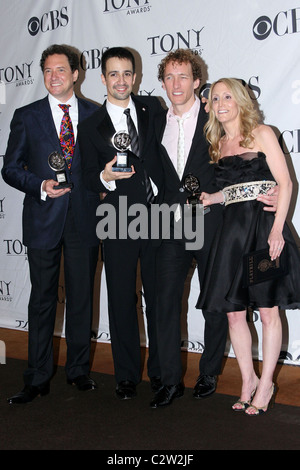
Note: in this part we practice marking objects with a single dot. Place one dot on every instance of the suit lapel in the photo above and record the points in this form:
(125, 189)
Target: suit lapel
(143, 122)
(47, 123)
(105, 126)
(82, 114)
(198, 136)
(48, 126)
(83, 111)
(160, 125)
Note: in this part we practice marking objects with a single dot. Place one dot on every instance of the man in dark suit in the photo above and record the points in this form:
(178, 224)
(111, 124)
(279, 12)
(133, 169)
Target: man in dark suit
(180, 73)
(55, 221)
(123, 252)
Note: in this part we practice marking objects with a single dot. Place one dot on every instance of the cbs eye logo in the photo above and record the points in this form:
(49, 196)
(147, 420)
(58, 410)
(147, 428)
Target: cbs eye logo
(262, 28)
(48, 22)
(285, 22)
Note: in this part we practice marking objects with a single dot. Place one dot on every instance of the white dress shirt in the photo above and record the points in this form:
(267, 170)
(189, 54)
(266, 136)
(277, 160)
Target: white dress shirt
(118, 117)
(57, 114)
(170, 137)
(171, 133)
(119, 120)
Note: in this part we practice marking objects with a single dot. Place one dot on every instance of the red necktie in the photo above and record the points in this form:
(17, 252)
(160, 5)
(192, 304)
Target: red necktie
(66, 135)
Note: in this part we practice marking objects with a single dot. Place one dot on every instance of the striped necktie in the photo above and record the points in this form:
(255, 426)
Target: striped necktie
(132, 133)
(135, 149)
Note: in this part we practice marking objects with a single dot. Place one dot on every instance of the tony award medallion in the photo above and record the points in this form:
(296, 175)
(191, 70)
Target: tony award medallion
(121, 141)
(192, 185)
(57, 163)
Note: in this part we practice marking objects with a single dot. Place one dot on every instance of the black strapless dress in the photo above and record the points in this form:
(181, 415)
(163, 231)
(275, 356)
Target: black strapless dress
(246, 227)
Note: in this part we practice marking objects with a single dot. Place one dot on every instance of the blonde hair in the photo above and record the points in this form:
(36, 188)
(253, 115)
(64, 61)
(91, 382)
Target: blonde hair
(249, 118)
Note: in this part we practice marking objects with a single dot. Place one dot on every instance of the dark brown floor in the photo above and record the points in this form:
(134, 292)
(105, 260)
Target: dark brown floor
(287, 377)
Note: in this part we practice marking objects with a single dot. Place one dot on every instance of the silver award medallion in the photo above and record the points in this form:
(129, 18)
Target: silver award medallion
(121, 141)
(57, 163)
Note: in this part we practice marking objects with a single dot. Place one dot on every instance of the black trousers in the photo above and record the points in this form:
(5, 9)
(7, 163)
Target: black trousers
(121, 260)
(173, 264)
(79, 270)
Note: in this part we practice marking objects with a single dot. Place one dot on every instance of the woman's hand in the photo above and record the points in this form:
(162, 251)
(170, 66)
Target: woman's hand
(214, 198)
(276, 243)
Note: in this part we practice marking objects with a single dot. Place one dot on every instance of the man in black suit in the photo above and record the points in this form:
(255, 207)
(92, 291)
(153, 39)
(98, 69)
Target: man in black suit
(55, 221)
(180, 73)
(123, 252)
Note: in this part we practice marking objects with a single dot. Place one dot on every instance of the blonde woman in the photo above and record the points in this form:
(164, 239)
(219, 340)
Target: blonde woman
(248, 161)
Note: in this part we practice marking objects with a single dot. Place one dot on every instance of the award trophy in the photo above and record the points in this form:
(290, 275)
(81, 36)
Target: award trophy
(57, 163)
(192, 185)
(121, 141)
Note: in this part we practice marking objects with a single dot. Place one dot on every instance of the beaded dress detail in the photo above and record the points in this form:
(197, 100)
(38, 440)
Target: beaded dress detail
(245, 228)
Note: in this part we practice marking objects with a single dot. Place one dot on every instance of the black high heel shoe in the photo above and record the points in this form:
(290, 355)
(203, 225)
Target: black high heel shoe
(263, 409)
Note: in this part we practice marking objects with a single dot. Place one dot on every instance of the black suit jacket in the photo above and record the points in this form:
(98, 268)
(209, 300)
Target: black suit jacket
(197, 164)
(32, 138)
(95, 136)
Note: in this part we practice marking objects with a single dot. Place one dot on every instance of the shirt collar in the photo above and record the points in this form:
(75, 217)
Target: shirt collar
(118, 110)
(193, 111)
(54, 101)
(117, 115)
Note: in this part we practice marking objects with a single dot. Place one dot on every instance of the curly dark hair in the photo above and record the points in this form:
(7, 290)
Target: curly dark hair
(181, 56)
(64, 50)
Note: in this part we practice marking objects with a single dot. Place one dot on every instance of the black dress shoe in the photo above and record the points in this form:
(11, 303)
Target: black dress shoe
(166, 395)
(29, 393)
(205, 386)
(83, 383)
(155, 384)
(126, 390)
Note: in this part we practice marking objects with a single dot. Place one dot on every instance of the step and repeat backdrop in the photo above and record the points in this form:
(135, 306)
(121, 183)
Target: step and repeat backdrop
(257, 41)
